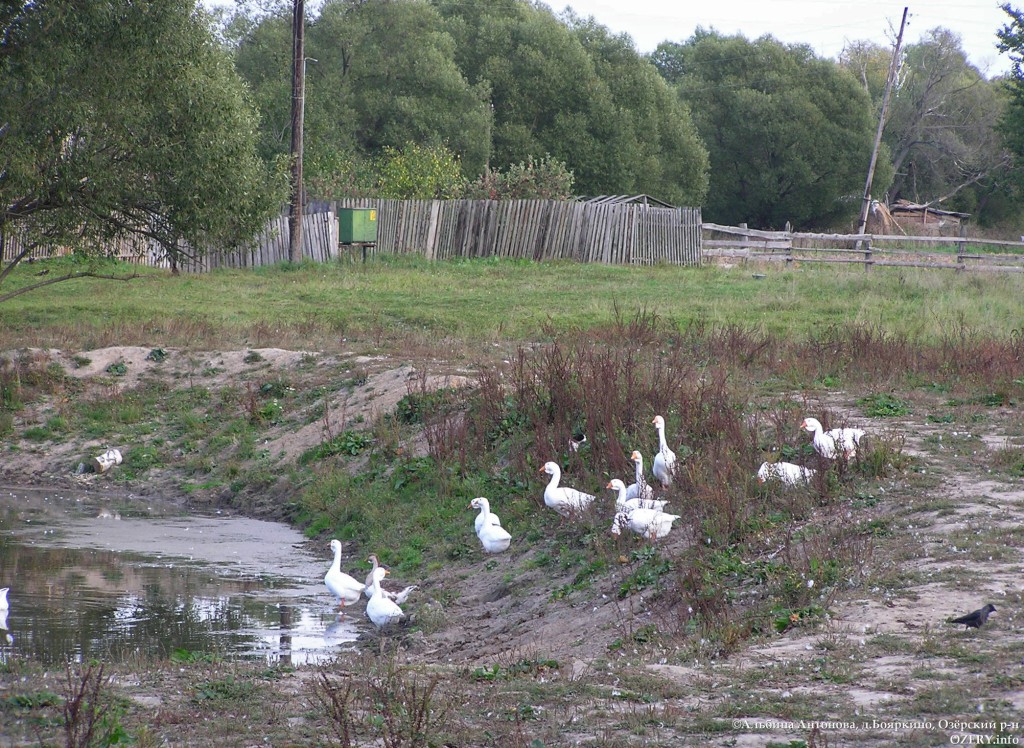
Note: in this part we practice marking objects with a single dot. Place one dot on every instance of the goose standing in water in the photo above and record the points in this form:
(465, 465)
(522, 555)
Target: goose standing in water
(341, 585)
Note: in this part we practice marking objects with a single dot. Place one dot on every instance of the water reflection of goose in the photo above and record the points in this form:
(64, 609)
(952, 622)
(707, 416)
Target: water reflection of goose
(344, 630)
(4, 607)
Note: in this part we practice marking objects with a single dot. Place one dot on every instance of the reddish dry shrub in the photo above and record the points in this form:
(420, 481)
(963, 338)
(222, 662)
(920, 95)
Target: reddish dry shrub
(609, 383)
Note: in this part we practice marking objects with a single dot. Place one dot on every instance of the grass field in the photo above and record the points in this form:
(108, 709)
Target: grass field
(395, 301)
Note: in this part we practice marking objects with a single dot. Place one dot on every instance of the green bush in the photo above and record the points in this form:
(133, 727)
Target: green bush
(545, 179)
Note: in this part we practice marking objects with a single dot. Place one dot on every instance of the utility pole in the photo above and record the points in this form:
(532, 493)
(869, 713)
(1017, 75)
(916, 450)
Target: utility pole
(894, 66)
(298, 115)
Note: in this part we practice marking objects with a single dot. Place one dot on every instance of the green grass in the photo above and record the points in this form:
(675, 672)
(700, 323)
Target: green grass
(403, 298)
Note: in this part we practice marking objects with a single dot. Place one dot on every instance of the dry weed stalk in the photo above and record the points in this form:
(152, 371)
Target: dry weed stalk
(336, 700)
(84, 712)
(396, 705)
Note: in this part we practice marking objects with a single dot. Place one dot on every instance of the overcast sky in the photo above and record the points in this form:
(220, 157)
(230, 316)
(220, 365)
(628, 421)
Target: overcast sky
(825, 25)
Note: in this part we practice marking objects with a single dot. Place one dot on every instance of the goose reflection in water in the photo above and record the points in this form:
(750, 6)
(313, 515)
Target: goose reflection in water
(5, 632)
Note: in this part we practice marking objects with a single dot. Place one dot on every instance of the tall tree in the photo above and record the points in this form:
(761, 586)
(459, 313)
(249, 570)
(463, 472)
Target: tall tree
(561, 87)
(384, 76)
(789, 134)
(942, 129)
(119, 118)
(652, 145)
(1011, 41)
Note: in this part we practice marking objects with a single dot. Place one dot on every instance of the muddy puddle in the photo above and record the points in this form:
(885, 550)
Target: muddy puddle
(119, 578)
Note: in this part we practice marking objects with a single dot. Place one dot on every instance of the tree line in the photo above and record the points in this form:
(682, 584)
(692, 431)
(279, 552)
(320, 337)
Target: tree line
(116, 115)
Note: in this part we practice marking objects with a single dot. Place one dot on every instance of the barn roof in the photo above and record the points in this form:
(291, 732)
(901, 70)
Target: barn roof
(625, 200)
(905, 206)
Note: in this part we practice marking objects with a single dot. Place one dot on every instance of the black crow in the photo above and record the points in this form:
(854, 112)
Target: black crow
(975, 619)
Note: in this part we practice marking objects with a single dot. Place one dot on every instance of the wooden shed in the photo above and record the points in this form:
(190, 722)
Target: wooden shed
(924, 220)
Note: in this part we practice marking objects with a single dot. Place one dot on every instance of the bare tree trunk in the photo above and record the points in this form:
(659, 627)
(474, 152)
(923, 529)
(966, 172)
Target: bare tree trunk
(298, 114)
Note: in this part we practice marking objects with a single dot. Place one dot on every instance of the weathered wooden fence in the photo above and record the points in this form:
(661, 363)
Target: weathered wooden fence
(537, 229)
(620, 233)
(319, 243)
(870, 250)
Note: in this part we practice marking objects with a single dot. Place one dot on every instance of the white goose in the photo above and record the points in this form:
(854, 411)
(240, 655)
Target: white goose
(493, 537)
(398, 597)
(650, 523)
(4, 605)
(640, 488)
(664, 467)
(342, 586)
(380, 609)
(829, 443)
(622, 504)
(489, 517)
(785, 472)
(566, 501)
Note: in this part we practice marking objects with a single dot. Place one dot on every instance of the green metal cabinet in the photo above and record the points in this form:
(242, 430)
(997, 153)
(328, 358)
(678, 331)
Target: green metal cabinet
(357, 225)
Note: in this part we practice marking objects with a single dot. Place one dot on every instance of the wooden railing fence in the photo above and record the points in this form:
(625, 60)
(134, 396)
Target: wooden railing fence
(870, 250)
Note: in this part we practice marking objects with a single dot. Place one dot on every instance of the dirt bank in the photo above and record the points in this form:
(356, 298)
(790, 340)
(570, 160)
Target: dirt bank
(595, 667)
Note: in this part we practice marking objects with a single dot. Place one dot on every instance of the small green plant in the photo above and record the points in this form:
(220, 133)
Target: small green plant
(227, 689)
(651, 567)
(80, 361)
(527, 667)
(416, 406)
(252, 357)
(349, 443)
(883, 405)
(118, 368)
(157, 355)
(189, 657)
(37, 700)
(276, 388)
(1010, 460)
(38, 433)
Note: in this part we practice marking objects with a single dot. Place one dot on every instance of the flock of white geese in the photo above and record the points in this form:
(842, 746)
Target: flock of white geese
(636, 509)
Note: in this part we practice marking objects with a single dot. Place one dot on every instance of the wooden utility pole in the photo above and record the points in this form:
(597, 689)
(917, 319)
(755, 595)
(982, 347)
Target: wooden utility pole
(298, 115)
(894, 66)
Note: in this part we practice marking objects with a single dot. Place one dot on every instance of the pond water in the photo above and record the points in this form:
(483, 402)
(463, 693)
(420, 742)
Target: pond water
(121, 578)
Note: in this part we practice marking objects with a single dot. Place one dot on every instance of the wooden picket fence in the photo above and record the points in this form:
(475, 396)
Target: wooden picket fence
(620, 233)
(270, 246)
(617, 233)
